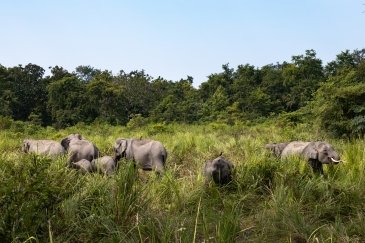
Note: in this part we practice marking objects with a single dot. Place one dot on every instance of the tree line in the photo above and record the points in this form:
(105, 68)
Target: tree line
(333, 95)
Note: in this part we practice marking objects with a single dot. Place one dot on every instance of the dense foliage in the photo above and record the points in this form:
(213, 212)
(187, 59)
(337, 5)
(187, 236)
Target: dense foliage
(332, 94)
(269, 200)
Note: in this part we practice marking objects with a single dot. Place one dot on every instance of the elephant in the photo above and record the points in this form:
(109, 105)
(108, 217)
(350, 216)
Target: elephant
(78, 148)
(83, 165)
(219, 169)
(147, 154)
(317, 153)
(276, 148)
(105, 165)
(43, 147)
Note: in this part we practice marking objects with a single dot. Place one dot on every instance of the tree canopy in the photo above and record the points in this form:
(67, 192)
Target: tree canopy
(334, 94)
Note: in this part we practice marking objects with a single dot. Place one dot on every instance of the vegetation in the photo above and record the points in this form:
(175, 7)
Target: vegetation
(330, 96)
(269, 200)
(235, 112)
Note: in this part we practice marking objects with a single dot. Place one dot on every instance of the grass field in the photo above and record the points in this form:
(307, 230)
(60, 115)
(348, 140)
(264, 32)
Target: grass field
(268, 201)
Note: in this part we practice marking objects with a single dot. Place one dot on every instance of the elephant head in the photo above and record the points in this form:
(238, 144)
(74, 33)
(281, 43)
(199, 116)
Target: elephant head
(66, 141)
(120, 148)
(322, 152)
(83, 165)
(219, 169)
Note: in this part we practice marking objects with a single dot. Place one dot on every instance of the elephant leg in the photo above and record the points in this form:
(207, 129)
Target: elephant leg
(71, 159)
(316, 166)
(158, 168)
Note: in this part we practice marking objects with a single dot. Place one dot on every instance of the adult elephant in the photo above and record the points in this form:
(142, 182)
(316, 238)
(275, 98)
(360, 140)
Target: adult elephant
(43, 147)
(147, 154)
(317, 153)
(78, 148)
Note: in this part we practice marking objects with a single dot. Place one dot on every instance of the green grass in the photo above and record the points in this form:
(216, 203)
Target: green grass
(268, 201)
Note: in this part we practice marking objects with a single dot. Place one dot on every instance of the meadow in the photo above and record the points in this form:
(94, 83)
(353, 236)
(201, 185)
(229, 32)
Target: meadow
(268, 201)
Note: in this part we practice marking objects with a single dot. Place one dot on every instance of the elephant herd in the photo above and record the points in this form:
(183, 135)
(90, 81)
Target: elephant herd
(151, 155)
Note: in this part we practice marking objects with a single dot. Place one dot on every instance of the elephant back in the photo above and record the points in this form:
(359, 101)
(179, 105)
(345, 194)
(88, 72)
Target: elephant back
(294, 148)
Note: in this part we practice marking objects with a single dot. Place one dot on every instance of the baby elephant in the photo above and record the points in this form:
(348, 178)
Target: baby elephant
(219, 169)
(105, 165)
(317, 153)
(43, 147)
(83, 165)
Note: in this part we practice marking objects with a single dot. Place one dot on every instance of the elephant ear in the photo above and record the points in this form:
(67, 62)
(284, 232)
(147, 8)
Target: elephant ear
(207, 168)
(65, 143)
(123, 145)
(311, 151)
(26, 146)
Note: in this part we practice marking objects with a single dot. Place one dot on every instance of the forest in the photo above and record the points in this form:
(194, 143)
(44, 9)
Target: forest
(304, 89)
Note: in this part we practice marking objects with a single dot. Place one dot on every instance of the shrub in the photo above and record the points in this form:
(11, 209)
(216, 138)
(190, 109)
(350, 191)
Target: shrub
(5, 122)
(340, 110)
(137, 121)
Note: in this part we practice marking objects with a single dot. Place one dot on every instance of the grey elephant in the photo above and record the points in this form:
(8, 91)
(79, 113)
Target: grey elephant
(78, 148)
(105, 165)
(147, 154)
(276, 148)
(43, 147)
(317, 153)
(219, 169)
(83, 165)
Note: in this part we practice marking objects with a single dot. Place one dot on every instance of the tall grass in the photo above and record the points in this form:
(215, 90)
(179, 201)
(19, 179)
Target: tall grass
(268, 201)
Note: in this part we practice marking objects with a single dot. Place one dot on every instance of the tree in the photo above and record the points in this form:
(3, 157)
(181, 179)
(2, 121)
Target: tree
(86, 73)
(66, 101)
(273, 85)
(246, 79)
(339, 104)
(138, 92)
(29, 89)
(302, 77)
(106, 100)
(224, 79)
(215, 108)
(181, 104)
(345, 61)
(7, 96)
(58, 73)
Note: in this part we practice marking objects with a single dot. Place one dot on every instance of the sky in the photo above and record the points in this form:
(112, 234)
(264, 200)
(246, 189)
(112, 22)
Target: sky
(175, 38)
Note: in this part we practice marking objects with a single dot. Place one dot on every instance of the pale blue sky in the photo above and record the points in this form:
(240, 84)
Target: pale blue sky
(174, 39)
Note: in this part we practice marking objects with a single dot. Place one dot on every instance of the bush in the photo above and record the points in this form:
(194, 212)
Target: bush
(5, 122)
(26, 203)
(157, 128)
(137, 121)
(340, 110)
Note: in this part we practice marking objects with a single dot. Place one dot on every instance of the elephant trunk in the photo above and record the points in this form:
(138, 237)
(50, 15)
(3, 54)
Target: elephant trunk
(116, 158)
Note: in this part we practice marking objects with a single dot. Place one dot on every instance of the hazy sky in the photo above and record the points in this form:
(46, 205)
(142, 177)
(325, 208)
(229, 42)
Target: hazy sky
(174, 39)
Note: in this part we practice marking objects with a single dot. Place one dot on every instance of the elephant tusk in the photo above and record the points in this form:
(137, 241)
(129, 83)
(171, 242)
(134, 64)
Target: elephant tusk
(336, 161)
